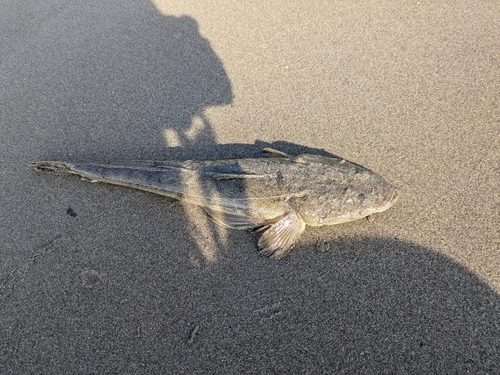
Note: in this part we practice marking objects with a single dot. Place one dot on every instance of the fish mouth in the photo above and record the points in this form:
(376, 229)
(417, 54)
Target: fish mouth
(392, 200)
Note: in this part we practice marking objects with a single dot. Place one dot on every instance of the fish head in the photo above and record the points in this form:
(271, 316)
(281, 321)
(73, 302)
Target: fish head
(361, 201)
(345, 203)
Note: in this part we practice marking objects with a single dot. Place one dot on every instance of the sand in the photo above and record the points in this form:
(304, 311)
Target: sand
(103, 279)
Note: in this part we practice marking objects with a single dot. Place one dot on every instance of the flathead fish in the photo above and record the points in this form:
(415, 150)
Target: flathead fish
(279, 195)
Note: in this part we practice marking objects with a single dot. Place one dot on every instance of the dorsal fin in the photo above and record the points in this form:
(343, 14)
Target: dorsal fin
(278, 153)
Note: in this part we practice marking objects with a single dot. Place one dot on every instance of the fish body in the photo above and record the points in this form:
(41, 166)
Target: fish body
(279, 194)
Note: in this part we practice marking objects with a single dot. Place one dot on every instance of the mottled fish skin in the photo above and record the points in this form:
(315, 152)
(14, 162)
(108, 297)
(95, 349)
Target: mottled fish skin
(280, 194)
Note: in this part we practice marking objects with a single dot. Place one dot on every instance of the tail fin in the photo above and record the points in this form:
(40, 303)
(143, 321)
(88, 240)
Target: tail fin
(52, 167)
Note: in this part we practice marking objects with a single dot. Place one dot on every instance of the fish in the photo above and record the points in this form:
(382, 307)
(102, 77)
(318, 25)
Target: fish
(277, 195)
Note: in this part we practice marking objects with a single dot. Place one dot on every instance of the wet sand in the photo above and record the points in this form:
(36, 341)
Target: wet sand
(104, 279)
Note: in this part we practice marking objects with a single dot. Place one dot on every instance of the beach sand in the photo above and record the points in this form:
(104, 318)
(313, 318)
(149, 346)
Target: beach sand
(102, 279)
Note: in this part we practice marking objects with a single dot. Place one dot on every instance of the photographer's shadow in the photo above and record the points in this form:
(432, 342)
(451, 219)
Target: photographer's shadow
(193, 79)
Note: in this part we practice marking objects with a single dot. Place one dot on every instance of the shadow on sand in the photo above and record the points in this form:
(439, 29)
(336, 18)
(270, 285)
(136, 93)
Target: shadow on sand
(370, 305)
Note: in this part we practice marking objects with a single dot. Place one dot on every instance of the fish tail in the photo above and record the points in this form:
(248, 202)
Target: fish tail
(56, 167)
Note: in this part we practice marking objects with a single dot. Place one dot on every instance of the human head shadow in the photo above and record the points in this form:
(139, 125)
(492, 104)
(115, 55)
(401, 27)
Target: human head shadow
(124, 79)
(192, 79)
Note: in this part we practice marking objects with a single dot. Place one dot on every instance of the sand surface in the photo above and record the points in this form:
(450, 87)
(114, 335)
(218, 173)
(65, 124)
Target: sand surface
(102, 279)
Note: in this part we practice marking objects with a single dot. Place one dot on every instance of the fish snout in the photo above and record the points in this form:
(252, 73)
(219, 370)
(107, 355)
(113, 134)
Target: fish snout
(394, 198)
(391, 198)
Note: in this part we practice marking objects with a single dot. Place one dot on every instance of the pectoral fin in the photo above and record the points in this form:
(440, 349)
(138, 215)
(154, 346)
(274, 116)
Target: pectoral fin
(279, 239)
